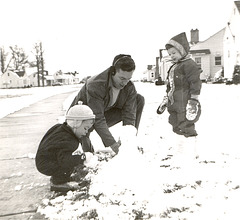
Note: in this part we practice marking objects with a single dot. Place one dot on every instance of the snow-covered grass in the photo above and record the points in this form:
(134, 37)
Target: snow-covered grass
(138, 183)
(12, 100)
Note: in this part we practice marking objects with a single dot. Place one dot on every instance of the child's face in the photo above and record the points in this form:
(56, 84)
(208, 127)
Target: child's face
(174, 54)
(82, 130)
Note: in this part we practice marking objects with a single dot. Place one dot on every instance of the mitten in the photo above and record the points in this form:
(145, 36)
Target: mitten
(115, 147)
(163, 105)
(192, 109)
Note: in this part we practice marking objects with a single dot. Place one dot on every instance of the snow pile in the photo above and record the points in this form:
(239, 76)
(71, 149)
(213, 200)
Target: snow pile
(133, 185)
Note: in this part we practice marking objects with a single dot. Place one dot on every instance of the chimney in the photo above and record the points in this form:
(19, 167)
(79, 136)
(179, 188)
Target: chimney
(194, 36)
(149, 67)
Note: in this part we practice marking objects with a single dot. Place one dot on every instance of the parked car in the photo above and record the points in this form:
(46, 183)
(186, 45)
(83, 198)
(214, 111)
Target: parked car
(57, 84)
(159, 81)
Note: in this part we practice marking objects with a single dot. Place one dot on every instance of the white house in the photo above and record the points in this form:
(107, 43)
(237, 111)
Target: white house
(10, 79)
(64, 78)
(208, 54)
(149, 74)
(232, 41)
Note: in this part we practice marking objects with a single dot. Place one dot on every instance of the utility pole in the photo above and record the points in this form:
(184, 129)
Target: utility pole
(42, 63)
(38, 70)
(157, 68)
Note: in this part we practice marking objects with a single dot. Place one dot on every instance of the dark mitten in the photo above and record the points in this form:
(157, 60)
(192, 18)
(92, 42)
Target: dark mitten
(163, 105)
(192, 109)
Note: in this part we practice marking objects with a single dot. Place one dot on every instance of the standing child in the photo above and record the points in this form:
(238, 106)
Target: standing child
(183, 89)
(56, 152)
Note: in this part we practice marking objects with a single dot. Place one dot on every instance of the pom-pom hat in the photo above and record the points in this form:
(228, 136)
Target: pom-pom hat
(180, 42)
(80, 112)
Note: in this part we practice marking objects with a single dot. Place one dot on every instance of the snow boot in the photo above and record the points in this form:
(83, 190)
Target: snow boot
(184, 153)
(64, 187)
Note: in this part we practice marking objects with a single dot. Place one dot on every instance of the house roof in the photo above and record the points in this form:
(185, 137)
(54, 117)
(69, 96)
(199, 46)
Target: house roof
(237, 3)
(13, 73)
(49, 77)
(202, 51)
(20, 73)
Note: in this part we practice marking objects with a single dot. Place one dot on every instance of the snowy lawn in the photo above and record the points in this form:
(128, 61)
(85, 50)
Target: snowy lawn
(12, 100)
(138, 183)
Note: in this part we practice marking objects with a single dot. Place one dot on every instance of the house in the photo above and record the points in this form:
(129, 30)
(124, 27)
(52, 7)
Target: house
(208, 54)
(164, 65)
(10, 79)
(149, 74)
(48, 80)
(64, 78)
(232, 42)
(76, 77)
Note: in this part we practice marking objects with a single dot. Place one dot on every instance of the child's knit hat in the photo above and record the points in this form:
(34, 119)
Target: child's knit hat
(180, 42)
(80, 112)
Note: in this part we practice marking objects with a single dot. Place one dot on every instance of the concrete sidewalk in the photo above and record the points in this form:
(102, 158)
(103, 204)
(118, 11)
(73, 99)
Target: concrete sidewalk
(22, 187)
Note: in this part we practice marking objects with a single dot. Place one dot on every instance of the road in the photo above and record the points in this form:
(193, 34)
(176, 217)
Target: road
(22, 186)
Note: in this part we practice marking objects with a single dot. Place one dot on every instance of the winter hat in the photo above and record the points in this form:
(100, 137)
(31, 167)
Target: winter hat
(80, 112)
(180, 42)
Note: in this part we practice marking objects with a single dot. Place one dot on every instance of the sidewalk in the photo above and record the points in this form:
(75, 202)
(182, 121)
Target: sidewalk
(22, 187)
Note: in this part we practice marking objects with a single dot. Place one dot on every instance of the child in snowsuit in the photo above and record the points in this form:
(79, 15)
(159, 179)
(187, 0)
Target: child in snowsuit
(183, 88)
(56, 152)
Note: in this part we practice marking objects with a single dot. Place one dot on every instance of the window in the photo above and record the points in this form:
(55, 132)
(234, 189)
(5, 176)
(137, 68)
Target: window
(198, 60)
(218, 61)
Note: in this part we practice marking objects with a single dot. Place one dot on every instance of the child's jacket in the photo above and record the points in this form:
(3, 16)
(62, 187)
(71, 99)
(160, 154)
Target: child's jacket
(57, 146)
(183, 81)
(183, 77)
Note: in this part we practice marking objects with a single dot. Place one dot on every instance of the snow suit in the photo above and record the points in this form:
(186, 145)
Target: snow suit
(54, 155)
(183, 83)
(97, 94)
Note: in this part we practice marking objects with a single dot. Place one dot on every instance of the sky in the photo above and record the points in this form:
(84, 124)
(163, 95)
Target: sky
(85, 36)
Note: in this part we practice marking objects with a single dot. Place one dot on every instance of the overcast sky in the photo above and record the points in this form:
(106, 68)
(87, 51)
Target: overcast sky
(85, 35)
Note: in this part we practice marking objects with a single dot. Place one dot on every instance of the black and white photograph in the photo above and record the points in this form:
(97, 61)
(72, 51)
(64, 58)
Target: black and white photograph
(119, 110)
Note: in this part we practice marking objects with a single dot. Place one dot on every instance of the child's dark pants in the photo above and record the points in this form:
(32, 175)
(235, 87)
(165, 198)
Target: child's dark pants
(59, 174)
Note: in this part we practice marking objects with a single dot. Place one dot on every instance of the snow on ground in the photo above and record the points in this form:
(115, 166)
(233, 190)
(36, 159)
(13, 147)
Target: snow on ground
(12, 100)
(138, 183)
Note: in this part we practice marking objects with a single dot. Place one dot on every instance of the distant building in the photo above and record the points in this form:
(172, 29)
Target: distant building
(208, 54)
(149, 74)
(232, 41)
(29, 78)
(10, 79)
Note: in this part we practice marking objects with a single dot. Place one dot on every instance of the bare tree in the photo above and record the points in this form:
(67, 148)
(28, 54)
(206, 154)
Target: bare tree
(3, 60)
(38, 52)
(19, 58)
